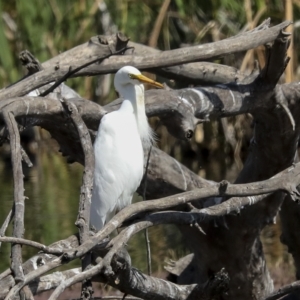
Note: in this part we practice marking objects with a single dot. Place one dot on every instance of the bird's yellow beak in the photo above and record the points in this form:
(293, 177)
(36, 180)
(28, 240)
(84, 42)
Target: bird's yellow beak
(145, 79)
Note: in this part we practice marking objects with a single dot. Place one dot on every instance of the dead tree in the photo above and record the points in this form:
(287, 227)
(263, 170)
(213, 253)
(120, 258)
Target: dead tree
(229, 260)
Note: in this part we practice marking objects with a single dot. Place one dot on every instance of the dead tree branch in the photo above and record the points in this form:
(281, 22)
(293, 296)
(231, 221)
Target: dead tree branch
(33, 275)
(51, 281)
(34, 263)
(132, 281)
(83, 219)
(226, 190)
(5, 224)
(19, 205)
(165, 59)
(73, 71)
(76, 278)
(39, 246)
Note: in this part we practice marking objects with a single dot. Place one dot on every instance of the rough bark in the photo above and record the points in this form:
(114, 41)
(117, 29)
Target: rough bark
(19, 205)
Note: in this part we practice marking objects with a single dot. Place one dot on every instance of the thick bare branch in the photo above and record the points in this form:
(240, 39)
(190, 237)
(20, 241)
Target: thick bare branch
(19, 205)
(197, 73)
(235, 44)
(83, 218)
(164, 59)
(89, 166)
(278, 53)
(133, 282)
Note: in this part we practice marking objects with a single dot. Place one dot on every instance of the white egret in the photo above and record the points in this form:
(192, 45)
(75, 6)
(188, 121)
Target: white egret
(119, 156)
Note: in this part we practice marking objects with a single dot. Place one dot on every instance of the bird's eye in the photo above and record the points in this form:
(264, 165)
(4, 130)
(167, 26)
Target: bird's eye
(130, 76)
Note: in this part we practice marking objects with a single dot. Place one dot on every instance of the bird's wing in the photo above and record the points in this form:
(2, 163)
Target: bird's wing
(118, 168)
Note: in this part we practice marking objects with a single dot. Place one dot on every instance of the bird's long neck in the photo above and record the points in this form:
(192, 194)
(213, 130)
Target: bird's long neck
(134, 100)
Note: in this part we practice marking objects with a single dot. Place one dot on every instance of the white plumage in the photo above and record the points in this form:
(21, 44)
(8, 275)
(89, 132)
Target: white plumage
(119, 157)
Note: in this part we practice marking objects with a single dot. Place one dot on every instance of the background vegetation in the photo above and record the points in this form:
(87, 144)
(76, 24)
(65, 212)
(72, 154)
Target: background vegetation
(217, 151)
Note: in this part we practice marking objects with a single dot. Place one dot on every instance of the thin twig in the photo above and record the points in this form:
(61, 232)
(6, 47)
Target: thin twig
(39, 246)
(26, 158)
(6, 223)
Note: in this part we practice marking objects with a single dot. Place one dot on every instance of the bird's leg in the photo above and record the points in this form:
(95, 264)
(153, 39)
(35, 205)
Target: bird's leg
(146, 231)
